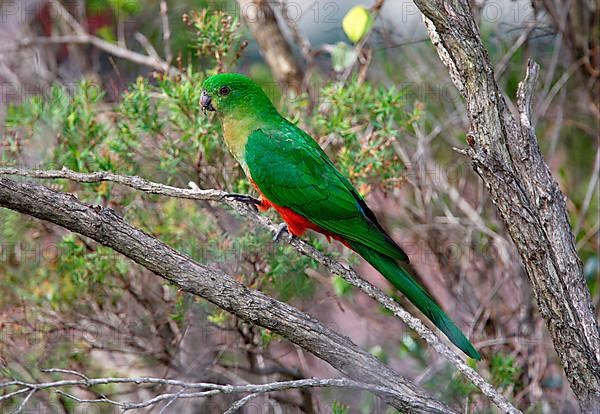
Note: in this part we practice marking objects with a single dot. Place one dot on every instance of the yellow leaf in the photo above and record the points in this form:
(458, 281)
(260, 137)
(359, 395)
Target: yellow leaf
(357, 22)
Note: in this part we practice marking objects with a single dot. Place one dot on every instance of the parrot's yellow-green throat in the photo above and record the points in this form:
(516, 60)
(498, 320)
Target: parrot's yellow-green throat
(241, 105)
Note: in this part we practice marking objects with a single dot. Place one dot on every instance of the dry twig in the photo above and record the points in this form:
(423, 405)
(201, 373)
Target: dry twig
(201, 389)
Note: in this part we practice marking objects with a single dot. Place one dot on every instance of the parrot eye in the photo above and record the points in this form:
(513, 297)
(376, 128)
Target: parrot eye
(224, 90)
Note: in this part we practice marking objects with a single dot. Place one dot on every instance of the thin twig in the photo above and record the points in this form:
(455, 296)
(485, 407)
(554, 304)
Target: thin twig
(240, 403)
(99, 43)
(134, 182)
(143, 40)
(24, 402)
(65, 371)
(545, 104)
(171, 401)
(503, 64)
(592, 187)
(11, 394)
(83, 37)
(205, 389)
(164, 17)
(588, 235)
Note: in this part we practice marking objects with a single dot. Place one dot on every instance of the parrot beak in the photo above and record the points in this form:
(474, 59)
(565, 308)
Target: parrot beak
(205, 102)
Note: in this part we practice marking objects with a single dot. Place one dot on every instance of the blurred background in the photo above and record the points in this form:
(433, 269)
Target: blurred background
(114, 85)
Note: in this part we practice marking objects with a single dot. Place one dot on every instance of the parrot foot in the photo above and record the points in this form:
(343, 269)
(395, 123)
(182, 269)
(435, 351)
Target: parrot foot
(280, 229)
(243, 198)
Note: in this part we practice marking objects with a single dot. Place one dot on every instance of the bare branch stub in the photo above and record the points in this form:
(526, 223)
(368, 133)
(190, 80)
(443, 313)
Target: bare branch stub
(505, 154)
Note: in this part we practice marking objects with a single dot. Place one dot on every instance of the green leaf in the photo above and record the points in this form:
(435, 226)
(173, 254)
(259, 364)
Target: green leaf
(340, 286)
(504, 370)
(339, 408)
(378, 352)
(342, 56)
(106, 33)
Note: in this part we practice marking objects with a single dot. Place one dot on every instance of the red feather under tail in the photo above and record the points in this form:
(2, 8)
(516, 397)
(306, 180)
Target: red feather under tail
(297, 224)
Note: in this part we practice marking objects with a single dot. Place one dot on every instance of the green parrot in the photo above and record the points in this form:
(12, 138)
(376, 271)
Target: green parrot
(293, 175)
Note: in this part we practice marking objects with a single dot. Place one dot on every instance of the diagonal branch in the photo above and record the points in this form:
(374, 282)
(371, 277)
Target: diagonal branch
(108, 47)
(105, 227)
(332, 265)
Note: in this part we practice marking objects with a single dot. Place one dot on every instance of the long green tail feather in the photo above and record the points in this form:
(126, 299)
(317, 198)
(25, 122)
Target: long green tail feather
(400, 278)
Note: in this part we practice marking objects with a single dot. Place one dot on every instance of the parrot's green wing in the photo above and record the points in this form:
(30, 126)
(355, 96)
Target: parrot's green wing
(292, 171)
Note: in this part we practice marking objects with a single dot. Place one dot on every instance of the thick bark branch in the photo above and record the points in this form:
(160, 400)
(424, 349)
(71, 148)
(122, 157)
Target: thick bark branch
(505, 154)
(262, 22)
(104, 226)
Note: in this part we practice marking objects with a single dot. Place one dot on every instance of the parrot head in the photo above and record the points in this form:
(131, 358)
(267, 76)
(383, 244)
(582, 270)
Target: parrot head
(232, 93)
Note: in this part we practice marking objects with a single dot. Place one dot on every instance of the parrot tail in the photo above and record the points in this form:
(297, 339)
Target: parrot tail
(404, 282)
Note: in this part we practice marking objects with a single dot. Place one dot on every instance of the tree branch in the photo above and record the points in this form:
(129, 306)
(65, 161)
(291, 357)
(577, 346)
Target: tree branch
(104, 226)
(99, 43)
(83, 37)
(166, 30)
(262, 22)
(332, 265)
(505, 154)
(202, 389)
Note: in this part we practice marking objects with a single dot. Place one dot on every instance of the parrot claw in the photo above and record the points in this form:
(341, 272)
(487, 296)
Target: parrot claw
(280, 229)
(243, 198)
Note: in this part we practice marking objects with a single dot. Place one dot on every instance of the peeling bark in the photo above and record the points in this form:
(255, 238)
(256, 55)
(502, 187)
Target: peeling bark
(505, 154)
